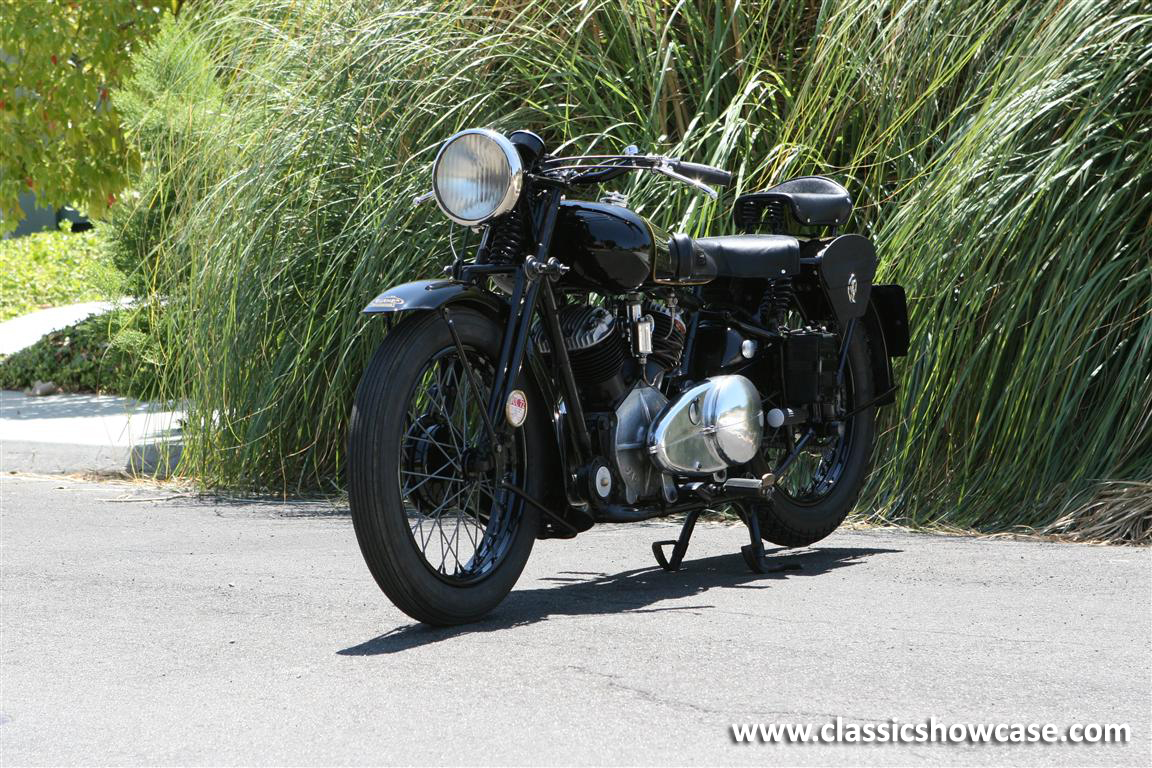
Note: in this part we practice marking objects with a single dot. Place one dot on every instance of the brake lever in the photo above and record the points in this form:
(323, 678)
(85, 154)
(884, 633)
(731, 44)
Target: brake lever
(421, 199)
(663, 169)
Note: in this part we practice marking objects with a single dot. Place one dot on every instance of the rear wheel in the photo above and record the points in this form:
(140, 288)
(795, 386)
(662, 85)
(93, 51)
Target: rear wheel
(822, 485)
(441, 534)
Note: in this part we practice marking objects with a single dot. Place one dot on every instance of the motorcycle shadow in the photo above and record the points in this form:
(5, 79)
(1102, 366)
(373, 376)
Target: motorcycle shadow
(634, 591)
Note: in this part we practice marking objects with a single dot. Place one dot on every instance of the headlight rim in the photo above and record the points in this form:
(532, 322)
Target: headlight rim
(515, 181)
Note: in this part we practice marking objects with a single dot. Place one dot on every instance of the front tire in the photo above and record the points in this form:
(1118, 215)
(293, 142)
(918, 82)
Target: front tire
(440, 535)
(819, 495)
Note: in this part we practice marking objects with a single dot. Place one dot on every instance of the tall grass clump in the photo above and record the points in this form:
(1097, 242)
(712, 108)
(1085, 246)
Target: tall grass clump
(999, 153)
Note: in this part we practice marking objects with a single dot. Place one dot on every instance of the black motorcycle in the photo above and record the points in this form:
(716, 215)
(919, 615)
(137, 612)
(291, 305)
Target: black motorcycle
(580, 368)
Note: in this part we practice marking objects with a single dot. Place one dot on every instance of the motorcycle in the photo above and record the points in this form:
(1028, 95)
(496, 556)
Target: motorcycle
(582, 368)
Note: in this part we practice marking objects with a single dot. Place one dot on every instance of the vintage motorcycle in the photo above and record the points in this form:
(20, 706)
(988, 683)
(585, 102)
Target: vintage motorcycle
(580, 368)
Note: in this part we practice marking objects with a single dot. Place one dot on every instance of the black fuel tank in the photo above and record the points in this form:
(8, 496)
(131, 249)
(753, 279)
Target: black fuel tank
(609, 248)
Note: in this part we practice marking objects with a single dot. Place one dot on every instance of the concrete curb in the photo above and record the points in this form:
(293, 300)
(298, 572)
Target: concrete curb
(87, 433)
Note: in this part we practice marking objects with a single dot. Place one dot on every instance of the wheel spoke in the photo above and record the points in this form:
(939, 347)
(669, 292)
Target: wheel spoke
(413, 489)
(461, 527)
(445, 409)
(472, 523)
(448, 478)
(430, 441)
(446, 449)
(456, 539)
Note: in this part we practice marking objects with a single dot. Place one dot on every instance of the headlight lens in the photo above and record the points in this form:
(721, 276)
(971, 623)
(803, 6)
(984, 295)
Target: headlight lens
(477, 176)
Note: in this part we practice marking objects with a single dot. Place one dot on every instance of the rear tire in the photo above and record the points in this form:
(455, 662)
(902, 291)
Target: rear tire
(796, 522)
(383, 439)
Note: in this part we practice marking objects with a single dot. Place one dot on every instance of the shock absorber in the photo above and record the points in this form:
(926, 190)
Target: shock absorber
(776, 301)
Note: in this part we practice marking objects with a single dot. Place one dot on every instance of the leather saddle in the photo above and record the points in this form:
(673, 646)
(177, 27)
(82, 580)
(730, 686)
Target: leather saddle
(814, 201)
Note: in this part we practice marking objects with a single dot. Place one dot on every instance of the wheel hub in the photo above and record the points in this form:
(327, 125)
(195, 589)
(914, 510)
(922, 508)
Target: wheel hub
(478, 463)
(428, 454)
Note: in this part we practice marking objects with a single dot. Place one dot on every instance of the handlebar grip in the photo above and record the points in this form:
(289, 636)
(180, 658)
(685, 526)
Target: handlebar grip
(705, 173)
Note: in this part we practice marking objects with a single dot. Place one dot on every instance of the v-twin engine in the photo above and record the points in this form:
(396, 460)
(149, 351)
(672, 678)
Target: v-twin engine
(706, 429)
(618, 359)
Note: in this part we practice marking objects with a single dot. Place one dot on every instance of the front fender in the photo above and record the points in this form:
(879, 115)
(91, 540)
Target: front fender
(431, 294)
(424, 295)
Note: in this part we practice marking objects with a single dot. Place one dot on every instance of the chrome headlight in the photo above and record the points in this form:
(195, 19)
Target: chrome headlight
(477, 176)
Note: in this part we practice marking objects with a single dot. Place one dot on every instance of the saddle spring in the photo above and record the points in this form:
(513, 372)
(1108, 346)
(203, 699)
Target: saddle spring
(754, 213)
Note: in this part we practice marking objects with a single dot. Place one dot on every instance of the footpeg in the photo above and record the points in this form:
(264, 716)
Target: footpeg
(750, 486)
(743, 484)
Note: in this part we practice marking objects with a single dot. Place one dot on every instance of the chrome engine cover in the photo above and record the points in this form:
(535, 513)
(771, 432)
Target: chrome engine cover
(710, 427)
(640, 477)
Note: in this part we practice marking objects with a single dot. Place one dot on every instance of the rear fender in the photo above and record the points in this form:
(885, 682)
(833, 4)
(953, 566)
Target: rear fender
(847, 266)
(886, 321)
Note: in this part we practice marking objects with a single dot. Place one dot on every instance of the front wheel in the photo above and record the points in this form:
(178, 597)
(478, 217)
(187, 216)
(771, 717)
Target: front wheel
(439, 530)
(814, 496)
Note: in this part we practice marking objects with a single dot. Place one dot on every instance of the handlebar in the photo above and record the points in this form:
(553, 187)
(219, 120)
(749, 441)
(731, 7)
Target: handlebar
(596, 169)
(706, 173)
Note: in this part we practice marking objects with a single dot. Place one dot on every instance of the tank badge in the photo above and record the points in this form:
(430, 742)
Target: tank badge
(387, 302)
(852, 288)
(516, 409)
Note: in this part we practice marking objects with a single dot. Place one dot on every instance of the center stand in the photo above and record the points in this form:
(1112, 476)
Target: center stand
(754, 554)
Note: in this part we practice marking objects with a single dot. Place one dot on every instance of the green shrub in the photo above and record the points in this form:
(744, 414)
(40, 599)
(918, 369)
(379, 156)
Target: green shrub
(999, 153)
(48, 269)
(110, 353)
(169, 107)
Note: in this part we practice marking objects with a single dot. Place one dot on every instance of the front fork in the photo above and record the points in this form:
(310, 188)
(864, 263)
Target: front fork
(532, 292)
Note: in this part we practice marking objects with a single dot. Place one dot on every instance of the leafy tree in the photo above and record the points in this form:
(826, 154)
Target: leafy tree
(60, 65)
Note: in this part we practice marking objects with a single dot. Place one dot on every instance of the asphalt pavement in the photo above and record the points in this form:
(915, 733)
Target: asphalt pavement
(140, 626)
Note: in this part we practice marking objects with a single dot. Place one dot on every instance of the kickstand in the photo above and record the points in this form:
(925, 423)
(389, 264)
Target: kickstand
(754, 553)
(679, 545)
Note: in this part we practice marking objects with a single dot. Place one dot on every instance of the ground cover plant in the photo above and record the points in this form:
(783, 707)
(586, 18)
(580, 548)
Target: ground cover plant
(109, 353)
(49, 269)
(999, 152)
